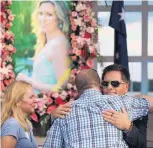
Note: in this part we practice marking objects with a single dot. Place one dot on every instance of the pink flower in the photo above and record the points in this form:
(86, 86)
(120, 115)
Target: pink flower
(55, 95)
(5, 53)
(9, 2)
(74, 71)
(6, 82)
(34, 117)
(7, 36)
(9, 11)
(90, 63)
(73, 28)
(41, 104)
(86, 18)
(74, 13)
(49, 101)
(8, 25)
(11, 17)
(50, 109)
(75, 94)
(89, 4)
(70, 92)
(93, 23)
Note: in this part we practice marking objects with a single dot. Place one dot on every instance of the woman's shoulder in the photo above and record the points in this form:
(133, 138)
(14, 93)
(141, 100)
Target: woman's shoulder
(58, 39)
(11, 121)
(11, 125)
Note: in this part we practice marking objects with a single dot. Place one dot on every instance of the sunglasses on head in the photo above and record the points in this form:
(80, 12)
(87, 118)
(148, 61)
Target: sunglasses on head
(114, 84)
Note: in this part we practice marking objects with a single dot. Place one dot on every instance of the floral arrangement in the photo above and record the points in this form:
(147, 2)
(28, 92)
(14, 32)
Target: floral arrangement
(83, 37)
(84, 34)
(7, 49)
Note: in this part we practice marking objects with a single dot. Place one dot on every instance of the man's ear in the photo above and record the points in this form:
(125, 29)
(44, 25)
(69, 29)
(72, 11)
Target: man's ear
(127, 87)
(101, 89)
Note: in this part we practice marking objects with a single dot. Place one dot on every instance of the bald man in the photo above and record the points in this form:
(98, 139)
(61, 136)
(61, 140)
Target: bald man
(84, 127)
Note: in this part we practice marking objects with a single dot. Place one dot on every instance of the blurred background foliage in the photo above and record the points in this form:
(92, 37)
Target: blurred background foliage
(25, 40)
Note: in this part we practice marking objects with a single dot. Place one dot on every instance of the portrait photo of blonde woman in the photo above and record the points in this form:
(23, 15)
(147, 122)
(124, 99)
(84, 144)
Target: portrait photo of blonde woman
(51, 64)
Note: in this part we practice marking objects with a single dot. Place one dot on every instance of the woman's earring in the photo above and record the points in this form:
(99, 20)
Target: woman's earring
(60, 26)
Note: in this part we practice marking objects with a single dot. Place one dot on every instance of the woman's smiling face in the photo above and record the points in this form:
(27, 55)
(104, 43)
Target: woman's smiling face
(47, 17)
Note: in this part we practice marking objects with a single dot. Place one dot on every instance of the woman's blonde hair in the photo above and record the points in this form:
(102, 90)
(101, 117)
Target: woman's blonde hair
(62, 12)
(13, 94)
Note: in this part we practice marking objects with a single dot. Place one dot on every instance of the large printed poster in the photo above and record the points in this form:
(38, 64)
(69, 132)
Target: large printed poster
(46, 43)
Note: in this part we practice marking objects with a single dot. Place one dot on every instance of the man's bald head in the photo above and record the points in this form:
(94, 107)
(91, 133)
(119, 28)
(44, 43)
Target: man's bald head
(87, 78)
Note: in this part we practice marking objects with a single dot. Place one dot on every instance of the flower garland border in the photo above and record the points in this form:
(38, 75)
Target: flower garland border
(7, 46)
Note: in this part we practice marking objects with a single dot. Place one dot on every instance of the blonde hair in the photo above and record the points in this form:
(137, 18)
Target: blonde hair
(62, 12)
(12, 95)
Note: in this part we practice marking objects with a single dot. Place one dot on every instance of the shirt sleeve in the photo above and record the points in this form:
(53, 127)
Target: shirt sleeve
(10, 129)
(54, 137)
(136, 137)
(137, 107)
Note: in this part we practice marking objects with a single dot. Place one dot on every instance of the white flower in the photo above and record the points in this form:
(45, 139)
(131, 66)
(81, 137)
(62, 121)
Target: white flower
(5, 70)
(78, 21)
(80, 7)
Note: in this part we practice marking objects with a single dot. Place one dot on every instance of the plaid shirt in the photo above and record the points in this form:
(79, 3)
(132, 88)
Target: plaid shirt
(85, 127)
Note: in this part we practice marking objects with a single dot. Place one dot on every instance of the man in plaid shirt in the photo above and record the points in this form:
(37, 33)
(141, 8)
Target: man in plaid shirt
(85, 127)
